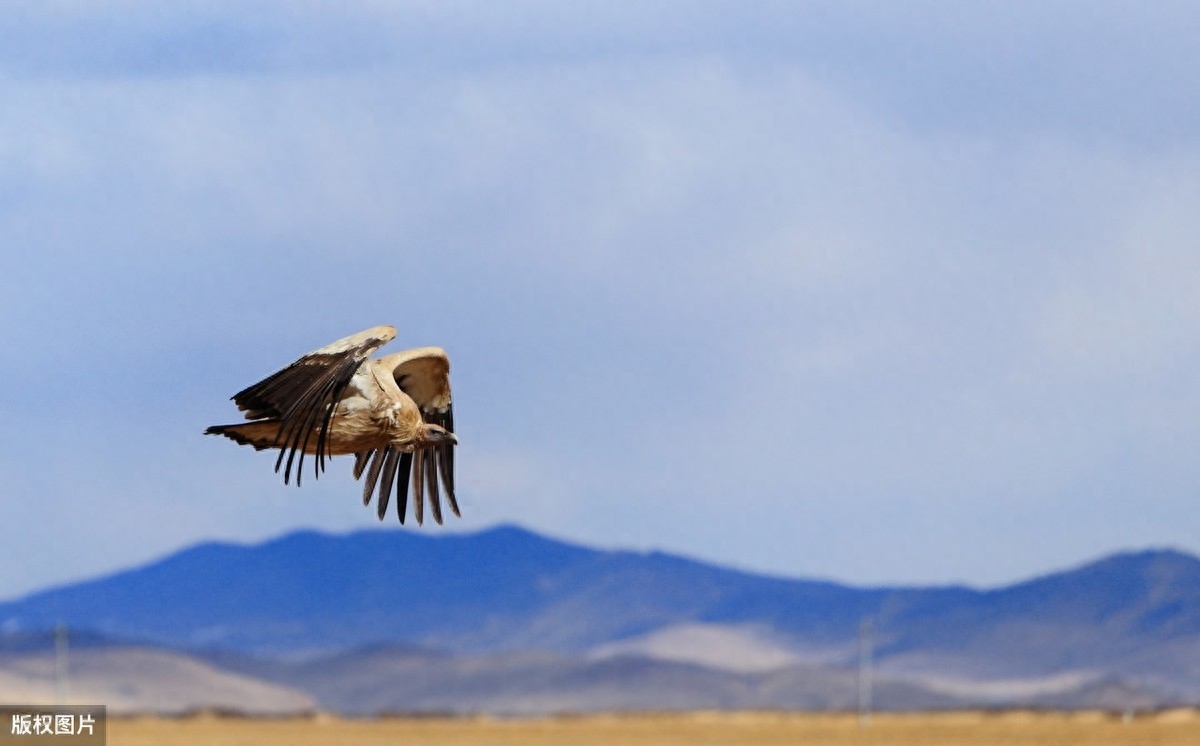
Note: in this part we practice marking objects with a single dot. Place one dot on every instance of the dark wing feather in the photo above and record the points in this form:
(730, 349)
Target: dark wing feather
(372, 474)
(418, 485)
(360, 462)
(443, 455)
(402, 485)
(431, 484)
(303, 396)
(387, 465)
(385, 484)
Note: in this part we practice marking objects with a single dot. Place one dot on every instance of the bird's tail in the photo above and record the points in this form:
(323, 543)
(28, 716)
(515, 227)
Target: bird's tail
(261, 434)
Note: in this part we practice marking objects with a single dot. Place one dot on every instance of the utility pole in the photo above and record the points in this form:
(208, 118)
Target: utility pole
(60, 664)
(865, 651)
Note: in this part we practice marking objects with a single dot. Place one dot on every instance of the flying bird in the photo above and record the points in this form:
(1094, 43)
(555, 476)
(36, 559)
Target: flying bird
(393, 413)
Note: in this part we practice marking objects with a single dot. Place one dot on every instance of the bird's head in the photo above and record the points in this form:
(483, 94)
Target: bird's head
(437, 435)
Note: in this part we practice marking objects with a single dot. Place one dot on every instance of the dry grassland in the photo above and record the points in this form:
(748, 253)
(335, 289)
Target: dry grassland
(693, 729)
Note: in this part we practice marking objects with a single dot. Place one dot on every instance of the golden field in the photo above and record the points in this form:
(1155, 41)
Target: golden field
(693, 729)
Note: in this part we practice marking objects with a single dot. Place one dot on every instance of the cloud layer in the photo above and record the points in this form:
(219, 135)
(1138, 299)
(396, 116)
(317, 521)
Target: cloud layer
(820, 289)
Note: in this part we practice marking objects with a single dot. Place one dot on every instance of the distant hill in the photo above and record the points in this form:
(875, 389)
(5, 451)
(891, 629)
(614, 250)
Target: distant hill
(134, 679)
(387, 679)
(400, 680)
(1126, 626)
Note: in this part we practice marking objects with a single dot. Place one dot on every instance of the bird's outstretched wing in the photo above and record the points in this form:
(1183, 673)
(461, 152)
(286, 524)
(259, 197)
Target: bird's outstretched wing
(303, 396)
(424, 375)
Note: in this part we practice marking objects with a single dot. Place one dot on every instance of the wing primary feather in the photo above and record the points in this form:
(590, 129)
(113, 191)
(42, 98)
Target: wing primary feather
(447, 461)
(431, 484)
(298, 425)
(418, 480)
(402, 485)
(299, 429)
(385, 484)
(291, 447)
(444, 456)
(327, 400)
(306, 432)
(373, 474)
(360, 462)
(349, 368)
(335, 395)
(450, 449)
(323, 399)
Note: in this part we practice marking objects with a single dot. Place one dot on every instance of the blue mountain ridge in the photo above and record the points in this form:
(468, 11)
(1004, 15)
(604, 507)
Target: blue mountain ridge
(509, 589)
(477, 591)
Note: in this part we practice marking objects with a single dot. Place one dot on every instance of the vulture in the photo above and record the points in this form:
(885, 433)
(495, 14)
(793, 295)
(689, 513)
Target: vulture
(392, 412)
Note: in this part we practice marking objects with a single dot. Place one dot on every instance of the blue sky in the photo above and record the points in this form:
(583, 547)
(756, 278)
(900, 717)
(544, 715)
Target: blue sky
(879, 292)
